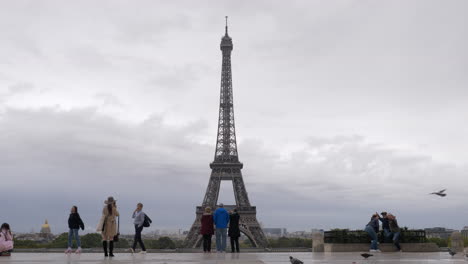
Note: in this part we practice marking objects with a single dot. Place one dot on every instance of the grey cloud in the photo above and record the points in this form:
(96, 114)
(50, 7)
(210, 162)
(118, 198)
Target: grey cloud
(389, 77)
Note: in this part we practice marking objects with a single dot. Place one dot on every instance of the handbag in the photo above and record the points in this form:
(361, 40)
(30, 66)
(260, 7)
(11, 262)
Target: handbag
(116, 237)
(147, 222)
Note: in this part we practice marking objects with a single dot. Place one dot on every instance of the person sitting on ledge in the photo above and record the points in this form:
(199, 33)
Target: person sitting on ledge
(385, 226)
(6, 240)
(395, 229)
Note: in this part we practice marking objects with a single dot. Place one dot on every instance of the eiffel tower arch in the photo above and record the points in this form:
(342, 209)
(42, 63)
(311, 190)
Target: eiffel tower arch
(226, 165)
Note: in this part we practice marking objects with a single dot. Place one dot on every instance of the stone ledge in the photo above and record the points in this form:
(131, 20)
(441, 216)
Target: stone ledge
(385, 247)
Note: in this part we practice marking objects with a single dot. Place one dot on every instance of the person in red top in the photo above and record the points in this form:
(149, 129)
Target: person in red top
(207, 229)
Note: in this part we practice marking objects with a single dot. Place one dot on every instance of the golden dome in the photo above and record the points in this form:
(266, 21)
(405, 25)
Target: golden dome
(46, 224)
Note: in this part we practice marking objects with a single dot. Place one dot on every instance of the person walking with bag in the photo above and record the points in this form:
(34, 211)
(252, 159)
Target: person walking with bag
(74, 223)
(207, 229)
(139, 221)
(234, 231)
(108, 226)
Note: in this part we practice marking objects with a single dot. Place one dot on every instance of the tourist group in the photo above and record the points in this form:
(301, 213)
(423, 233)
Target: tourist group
(108, 226)
(391, 230)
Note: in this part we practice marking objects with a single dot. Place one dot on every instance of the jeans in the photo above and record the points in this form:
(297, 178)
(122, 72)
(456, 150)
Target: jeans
(373, 236)
(234, 244)
(221, 237)
(73, 233)
(206, 243)
(387, 235)
(137, 238)
(396, 240)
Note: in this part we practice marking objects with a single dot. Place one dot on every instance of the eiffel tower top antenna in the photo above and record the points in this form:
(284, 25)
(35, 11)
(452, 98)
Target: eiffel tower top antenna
(226, 26)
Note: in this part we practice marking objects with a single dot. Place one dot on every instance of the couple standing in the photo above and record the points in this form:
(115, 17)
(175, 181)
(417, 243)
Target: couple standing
(221, 219)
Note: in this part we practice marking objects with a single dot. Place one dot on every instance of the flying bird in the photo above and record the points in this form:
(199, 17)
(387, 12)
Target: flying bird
(440, 193)
(366, 255)
(451, 252)
(295, 260)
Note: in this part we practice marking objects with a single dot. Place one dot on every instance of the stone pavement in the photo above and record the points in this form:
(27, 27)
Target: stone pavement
(228, 258)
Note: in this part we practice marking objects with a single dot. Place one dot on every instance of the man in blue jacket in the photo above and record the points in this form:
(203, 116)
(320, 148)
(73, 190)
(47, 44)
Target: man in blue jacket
(221, 220)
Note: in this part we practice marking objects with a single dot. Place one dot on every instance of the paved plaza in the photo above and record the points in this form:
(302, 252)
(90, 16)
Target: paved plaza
(243, 258)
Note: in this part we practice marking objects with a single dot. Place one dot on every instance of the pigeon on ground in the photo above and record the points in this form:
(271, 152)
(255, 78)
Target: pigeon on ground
(440, 193)
(295, 260)
(451, 252)
(366, 255)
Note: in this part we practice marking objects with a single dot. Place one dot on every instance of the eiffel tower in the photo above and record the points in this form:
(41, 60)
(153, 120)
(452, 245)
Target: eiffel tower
(226, 165)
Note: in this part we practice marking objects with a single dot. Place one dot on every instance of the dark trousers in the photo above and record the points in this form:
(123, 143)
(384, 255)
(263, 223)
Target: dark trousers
(234, 244)
(137, 238)
(206, 243)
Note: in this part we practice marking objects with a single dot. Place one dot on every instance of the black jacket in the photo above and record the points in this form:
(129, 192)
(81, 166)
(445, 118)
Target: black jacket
(234, 225)
(75, 222)
(385, 224)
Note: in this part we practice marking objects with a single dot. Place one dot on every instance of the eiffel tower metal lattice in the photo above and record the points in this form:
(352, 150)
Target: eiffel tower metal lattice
(226, 165)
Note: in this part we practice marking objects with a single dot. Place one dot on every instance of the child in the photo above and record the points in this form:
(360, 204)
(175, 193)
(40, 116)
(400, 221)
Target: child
(6, 240)
(74, 223)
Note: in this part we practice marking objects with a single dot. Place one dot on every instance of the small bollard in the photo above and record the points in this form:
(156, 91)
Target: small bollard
(457, 242)
(317, 242)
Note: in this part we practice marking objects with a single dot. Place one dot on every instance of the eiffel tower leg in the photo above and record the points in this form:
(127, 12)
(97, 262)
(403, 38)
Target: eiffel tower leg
(193, 239)
(212, 191)
(240, 193)
(252, 229)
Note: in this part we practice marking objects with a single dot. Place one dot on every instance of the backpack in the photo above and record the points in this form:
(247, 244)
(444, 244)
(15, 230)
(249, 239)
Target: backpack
(147, 222)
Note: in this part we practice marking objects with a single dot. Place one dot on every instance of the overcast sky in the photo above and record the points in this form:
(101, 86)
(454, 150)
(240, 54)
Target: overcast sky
(343, 108)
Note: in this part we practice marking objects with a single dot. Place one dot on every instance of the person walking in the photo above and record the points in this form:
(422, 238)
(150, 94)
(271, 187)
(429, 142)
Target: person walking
(74, 225)
(234, 231)
(372, 228)
(139, 219)
(6, 240)
(395, 231)
(221, 220)
(108, 225)
(207, 229)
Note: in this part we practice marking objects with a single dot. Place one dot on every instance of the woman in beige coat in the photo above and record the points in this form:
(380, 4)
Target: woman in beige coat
(108, 225)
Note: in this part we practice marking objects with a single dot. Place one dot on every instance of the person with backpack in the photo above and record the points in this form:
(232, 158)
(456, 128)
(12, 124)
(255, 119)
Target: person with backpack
(6, 240)
(140, 220)
(74, 223)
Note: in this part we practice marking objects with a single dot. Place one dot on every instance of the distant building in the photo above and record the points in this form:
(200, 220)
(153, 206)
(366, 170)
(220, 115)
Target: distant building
(464, 232)
(315, 230)
(438, 232)
(45, 229)
(300, 234)
(275, 232)
(46, 232)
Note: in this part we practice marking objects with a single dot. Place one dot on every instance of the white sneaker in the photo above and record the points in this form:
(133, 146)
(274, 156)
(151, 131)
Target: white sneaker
(142, 252)
(132, 250)
(78, 250)
(372, 250)
(68, 251)
(377, 251)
